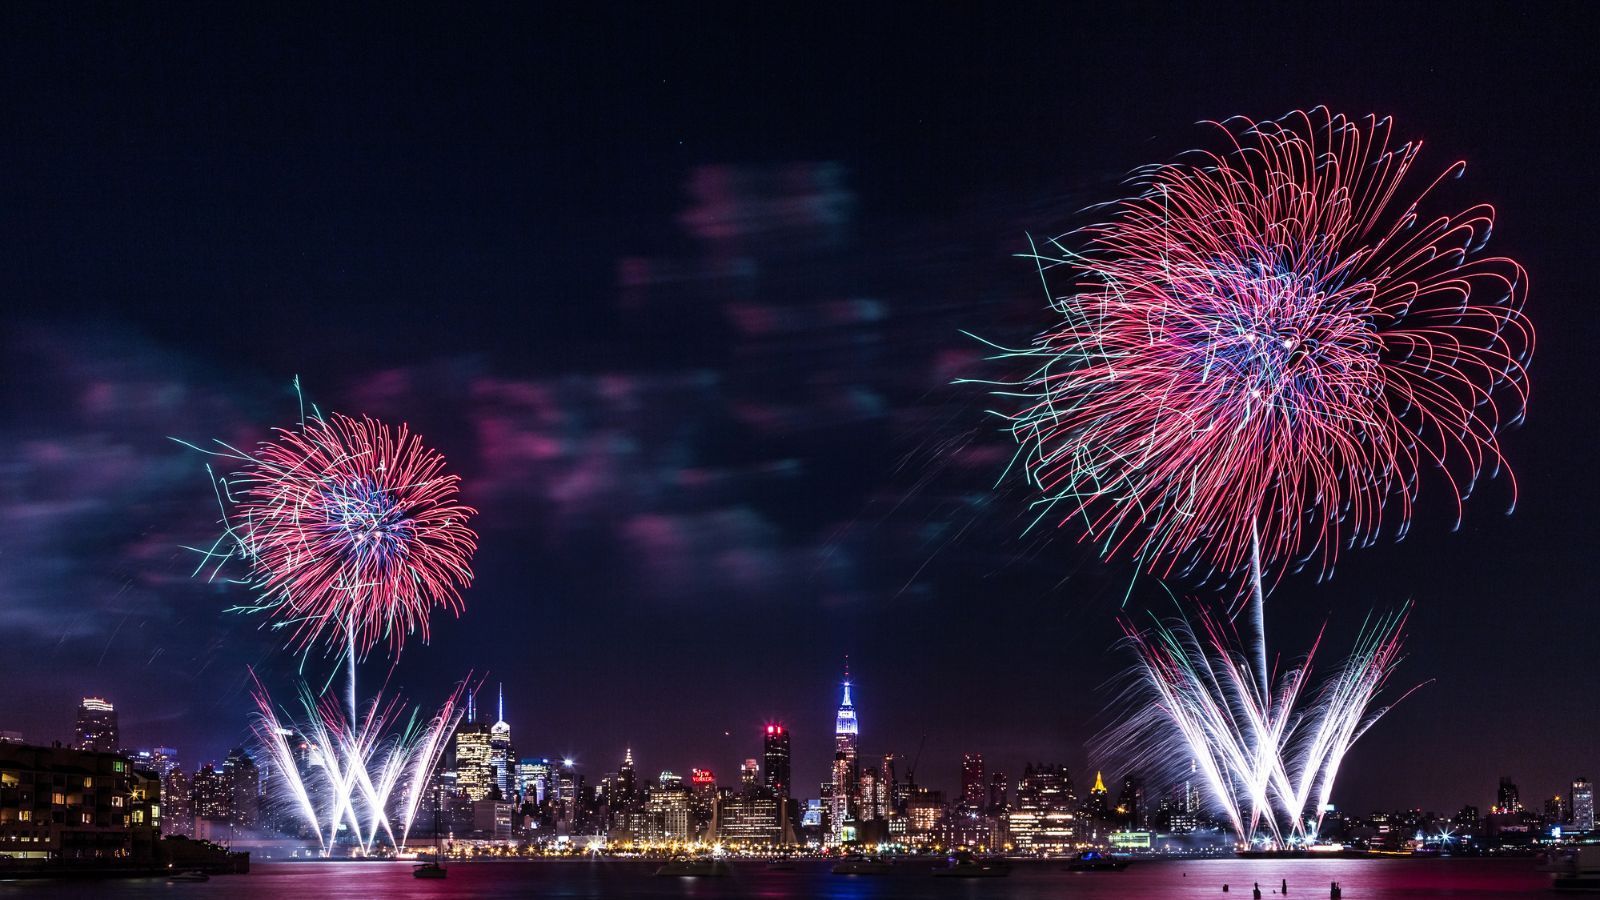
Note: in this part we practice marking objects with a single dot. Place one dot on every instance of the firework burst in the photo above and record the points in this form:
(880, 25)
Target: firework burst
(1265, 345)
(352, 530)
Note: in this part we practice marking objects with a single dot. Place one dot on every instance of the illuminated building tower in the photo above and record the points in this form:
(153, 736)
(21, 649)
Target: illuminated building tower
(474, 774)
(97, 726)
(775, 753)
(211, 799)
(177, 804)
(1044, 818)
(500, 752)
(844, 795)
(1582, 806)
(703, 794)
(894, 796)
(536, 780)
(973, 789)
(241, 779)
(1507, 801)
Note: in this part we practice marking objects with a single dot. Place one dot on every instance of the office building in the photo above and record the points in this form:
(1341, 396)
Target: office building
(97, 726)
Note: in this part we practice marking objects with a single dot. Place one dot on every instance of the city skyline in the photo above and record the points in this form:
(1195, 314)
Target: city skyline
(502, 771)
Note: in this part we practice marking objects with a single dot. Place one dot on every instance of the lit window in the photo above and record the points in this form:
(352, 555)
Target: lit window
(88, 782)
(116, 800)
(25, 815)
(58, 798)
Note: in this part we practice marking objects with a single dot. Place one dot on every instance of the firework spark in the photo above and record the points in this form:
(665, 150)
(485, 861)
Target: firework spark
(1265, 345)
(334, 771)
(1268, 761)
(352, 531)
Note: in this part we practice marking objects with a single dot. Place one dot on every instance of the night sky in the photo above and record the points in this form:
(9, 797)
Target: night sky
(680, 291)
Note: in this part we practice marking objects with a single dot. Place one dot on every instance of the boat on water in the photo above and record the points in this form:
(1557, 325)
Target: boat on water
(1095, 861)
(694, 868)
(966, 865)
(862, 865)
(1577, 872)
(429, 870)
(191, 875)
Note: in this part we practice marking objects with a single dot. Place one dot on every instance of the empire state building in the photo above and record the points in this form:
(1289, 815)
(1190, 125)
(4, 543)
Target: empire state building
(844, 800)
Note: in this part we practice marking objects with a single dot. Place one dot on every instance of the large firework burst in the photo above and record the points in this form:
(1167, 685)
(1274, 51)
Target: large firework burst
(1263, 347)
(353, 533)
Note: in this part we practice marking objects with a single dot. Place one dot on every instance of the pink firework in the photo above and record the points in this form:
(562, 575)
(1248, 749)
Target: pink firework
(353, 532)
(1264, 347)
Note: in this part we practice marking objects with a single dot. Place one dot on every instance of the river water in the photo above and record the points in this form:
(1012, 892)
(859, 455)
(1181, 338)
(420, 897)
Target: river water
(1361, 880)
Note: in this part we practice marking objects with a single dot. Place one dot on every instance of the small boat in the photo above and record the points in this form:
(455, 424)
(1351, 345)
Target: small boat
(429, 870)
(966, 865)
(1095, 861)
(695, 868)
(862, 865)
(190, 875)
(781, 865)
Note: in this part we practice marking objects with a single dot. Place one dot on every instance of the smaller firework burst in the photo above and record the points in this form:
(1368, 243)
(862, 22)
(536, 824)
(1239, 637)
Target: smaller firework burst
(352, 530)
(1268, 761)
(364, 773)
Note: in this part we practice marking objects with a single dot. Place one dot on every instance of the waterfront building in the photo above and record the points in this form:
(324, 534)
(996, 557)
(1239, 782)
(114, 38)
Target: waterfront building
(61, 803)
(97, 726)
(775, 755)
(750, 819)
(670, 811)
(1044, 819)
(1582, 804)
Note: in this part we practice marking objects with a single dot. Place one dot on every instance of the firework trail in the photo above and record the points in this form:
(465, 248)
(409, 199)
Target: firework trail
(1260, 351)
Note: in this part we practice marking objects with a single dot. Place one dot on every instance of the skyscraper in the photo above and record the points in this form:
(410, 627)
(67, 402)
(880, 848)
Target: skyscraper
(97, 726)
(973, 789)
(241, 780)
(1507, 800)
(775, 753)
(474, 774)
(843, 793)
(177, 804)
(211, 798)
(501, 755)
(1582, 806)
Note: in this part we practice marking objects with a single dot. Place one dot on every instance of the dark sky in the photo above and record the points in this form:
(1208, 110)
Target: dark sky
(680, 290)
